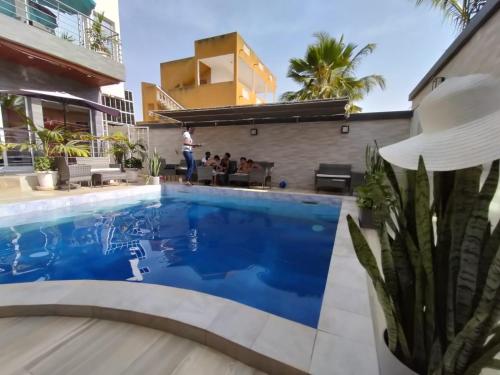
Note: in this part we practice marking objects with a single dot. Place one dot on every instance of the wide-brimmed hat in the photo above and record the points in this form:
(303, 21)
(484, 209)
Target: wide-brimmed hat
(460, 122)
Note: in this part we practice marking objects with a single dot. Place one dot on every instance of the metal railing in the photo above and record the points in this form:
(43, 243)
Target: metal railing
(14, 158)
(166, 101)
(59, 19)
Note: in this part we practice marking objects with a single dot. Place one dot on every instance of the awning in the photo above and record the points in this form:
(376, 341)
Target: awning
(83, 6)
(72, 6)
(310, 110)
(63, 97)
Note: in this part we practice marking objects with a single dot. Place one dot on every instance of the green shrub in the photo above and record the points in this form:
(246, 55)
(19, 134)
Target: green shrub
(133, 163)
(44, 164)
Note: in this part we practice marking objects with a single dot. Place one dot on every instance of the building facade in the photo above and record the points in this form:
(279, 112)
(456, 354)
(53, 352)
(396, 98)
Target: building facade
(475, 50)
(49, 46)
(126, 107)
(224, 71)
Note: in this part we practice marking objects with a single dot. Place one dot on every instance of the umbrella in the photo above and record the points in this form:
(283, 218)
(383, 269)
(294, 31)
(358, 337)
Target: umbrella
(63, 97)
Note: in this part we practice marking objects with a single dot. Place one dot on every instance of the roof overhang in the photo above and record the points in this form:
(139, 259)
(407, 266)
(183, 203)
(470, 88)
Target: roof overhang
(310, 110)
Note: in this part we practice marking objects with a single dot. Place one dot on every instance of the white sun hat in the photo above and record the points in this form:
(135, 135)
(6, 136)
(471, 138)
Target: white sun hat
(460, 123)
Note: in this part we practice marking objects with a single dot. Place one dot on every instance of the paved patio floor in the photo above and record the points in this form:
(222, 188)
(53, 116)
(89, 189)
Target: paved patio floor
(72, 346)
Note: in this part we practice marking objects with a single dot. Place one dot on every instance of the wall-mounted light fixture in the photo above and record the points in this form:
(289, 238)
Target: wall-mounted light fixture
(344, 129)
(254, 131)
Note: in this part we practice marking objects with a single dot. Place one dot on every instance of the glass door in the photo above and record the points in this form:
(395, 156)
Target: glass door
(14, 129)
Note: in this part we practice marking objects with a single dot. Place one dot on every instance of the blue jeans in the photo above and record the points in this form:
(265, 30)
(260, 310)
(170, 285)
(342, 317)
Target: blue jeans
(190, 164)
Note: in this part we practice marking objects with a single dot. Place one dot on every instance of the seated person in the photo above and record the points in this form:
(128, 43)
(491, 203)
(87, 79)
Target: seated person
(206, 158)
(243, 165)
(251, 166)
(224, 163)
(213, 162)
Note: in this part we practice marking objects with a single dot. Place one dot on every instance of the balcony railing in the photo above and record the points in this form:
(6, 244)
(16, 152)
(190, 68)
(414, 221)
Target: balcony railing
(69, 24)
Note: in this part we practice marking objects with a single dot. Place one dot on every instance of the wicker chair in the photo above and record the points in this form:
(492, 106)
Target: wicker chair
(258, 176)
(73, 173)
(205, 174)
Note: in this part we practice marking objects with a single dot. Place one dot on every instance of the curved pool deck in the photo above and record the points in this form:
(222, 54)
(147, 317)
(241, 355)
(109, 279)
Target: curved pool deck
(342, 343)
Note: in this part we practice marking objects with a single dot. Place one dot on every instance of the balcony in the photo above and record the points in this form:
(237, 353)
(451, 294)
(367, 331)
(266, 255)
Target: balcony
(67, 23)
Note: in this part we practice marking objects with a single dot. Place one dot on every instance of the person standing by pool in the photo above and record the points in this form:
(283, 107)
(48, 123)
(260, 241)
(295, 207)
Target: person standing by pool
(187, 151)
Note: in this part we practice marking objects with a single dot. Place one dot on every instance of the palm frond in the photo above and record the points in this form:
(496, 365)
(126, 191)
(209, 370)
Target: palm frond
(327, 71)
(460, 13)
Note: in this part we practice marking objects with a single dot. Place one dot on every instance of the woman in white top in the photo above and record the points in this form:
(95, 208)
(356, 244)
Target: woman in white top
(187, 151)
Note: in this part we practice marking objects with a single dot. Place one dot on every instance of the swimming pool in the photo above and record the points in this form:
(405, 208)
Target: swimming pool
(270, 254)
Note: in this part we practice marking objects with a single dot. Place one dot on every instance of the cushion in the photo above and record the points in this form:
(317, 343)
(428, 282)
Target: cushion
(333, 175)
(104, 170)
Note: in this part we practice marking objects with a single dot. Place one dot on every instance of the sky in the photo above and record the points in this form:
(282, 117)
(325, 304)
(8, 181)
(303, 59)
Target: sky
(409, 39)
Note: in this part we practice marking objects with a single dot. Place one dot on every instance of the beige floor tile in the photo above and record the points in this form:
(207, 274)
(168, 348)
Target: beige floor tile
(105, 348)
(74, 346)
(28, 339)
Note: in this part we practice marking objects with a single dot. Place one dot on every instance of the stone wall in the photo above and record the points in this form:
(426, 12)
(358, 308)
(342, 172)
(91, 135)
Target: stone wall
(296, 148)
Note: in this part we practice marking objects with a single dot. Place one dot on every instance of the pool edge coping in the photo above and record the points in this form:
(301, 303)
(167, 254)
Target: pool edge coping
(257, 356)
(174, 313)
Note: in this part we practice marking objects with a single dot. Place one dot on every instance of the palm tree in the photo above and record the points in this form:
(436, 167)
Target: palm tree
(123, 149)
(327, 72)
(461, 12)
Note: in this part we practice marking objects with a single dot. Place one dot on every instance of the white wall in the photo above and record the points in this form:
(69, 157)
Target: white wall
(112, 12)
(481, 54)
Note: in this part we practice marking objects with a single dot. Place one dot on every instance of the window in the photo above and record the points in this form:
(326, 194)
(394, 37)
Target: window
(437, 81)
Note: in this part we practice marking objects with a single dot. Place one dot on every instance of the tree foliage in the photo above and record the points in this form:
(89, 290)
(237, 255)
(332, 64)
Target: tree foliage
(460, 12)
(328, 69)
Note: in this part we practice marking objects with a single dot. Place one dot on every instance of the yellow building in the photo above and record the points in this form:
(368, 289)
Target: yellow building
(224, 71)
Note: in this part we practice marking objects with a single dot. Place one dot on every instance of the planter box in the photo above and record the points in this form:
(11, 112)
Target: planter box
(154, 180)
(366, 218)
(132, 174)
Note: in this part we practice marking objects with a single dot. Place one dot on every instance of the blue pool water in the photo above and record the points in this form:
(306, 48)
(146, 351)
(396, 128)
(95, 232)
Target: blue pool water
(270, 254)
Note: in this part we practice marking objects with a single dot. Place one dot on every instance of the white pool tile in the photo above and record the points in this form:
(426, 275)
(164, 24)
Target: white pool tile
(346, 298)
(347, 324)
(240, 324)
(337, 355)
(198, 309)
(287, 341)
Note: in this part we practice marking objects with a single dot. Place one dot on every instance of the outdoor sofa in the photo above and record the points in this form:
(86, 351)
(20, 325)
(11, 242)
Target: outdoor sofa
(73, 173)
(102, 170)
(261, 176)
(333, 176)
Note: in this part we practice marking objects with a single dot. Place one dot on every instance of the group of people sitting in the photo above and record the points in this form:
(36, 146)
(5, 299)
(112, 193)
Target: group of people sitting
(222, 165)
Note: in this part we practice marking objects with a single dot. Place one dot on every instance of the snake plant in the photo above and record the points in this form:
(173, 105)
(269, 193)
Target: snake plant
(439, 284)
(154, 164)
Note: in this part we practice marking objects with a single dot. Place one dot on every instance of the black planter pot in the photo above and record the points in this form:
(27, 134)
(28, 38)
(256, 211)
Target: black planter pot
(366, 218)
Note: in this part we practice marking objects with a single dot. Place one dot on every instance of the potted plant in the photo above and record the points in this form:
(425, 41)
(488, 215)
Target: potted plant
(374, 196)
(45, 173)
(132, 167)
(98, 39)
(130, 155)
(50, 143)
(439, 280)
(154, 168)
